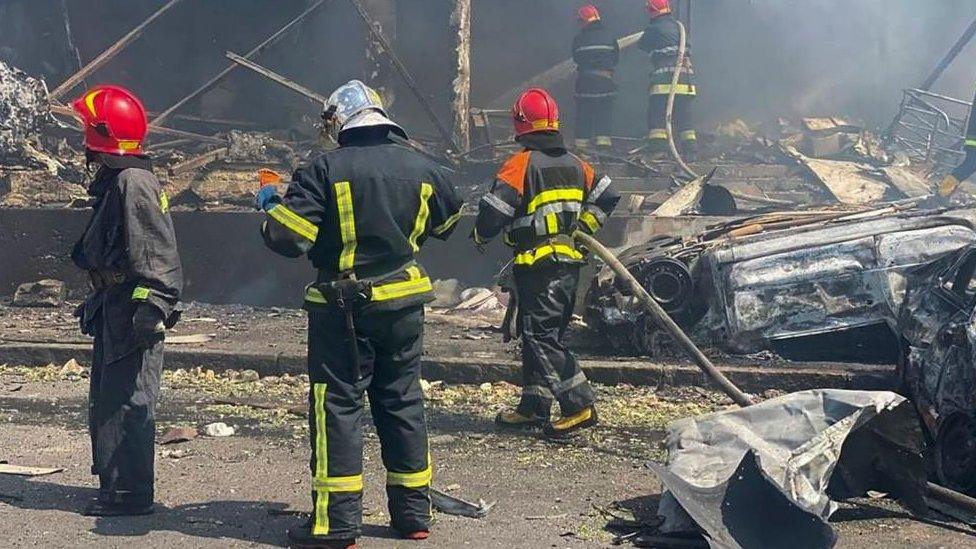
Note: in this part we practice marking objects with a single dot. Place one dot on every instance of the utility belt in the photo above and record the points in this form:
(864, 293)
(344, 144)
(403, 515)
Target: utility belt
(407, 281)
(101, 280)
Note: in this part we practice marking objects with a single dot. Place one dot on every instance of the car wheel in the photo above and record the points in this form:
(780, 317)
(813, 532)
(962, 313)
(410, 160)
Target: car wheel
(955, 453)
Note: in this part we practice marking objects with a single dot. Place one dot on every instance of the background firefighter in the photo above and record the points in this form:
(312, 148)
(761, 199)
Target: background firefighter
(661, 40)
(361, 213)
(129, 249)
(965, 170)
(539, 197)
(596, 54)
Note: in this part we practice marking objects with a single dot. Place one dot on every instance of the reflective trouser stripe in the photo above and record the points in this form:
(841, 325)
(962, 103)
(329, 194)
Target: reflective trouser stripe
(320, 524)
(423, 212)
(451, 221)
(353, 483)
(590, 220)
(657, 134)
(680, 89)
(971, 142)
(347, 225)
(689, 135)
(530, 257)
(294, 222)
(554, 195)
(419, 479)
(140, 293)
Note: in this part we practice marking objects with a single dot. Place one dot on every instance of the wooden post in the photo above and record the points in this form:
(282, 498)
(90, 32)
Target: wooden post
(230, 68)
(286, 82)
(108, 54)
(462, 84)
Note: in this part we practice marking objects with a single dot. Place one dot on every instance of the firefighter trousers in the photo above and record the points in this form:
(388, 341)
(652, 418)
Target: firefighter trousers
(682, 123)
(594, 118)
(550, 371)
(390, 345)
(122, 421)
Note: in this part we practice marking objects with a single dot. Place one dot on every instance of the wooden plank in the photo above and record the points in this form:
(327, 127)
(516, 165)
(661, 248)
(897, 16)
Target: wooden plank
(109, 53)
(24, 471)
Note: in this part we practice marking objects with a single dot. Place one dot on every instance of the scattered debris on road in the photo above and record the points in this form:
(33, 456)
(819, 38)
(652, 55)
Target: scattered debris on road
(43, 293)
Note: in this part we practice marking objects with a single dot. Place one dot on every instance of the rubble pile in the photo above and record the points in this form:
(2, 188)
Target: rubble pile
(23, 113)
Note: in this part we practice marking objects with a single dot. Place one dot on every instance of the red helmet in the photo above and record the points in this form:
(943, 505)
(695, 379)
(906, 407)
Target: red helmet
(588, 14)
(535, 111)
(658, 8)
(114, 120)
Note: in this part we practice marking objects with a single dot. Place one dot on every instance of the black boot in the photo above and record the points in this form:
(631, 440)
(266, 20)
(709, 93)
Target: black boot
(302, 538)
(104, 509)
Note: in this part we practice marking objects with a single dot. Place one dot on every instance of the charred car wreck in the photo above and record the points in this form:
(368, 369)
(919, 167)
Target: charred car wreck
(773, 281)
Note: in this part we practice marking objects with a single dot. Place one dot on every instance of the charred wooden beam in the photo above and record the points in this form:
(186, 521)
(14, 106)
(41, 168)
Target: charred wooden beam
(109, 53)
(199, 161)
(179, 134)
(270, 74)
(209, 84)
(462, 84)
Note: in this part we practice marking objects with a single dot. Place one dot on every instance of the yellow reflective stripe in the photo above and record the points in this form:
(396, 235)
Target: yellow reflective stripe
(530, 257)
(554, 195)
(444, 227)
(680, 89)
(164, 202)
(971, 142)
(320, 523)
(406, 288)
(552, 224)
(413, 272)
(128, 145)
(411, 480)
(689, 135)
(353, 483)
(545, 124)
(590, 220)
(658, 134)
(347, 225)
(507, 239)
(294, 222)
(420, 223)
(313, 295)
(140, 293)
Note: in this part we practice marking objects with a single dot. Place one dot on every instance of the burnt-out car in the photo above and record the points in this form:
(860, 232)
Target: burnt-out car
(937, 370)
(773, 280)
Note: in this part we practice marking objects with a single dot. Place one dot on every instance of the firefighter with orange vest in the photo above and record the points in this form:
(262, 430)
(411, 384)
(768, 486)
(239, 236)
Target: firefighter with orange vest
(129, 251)
(540, 196)
(661, 40)
(596, 54)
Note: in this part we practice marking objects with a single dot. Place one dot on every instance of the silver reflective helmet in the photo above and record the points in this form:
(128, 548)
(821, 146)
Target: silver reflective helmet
(356, 105)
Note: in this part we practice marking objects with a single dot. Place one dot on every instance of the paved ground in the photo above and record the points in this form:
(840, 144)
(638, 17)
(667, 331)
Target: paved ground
(247, 489)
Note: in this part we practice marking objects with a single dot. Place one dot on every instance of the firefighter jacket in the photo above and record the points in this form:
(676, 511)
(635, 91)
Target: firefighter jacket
(129, 249)
(539, 197)
(596, 54)
(968, 166)
(365, 209)
(661, 40)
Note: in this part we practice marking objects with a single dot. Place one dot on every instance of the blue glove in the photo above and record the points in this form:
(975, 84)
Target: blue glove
(266, 197)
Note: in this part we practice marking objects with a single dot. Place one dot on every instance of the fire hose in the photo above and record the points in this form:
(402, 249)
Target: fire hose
(954, 503)
(678, 67)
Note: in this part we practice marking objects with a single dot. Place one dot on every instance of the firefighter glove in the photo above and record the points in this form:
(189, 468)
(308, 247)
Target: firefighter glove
(147, 324)
(266, 197)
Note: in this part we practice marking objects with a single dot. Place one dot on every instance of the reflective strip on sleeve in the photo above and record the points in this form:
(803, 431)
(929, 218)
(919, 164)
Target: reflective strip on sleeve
(320, 522)
(658, 134)
(164, 202)
(446, 226)
(531, 256)
(601, 186)
(499, 204)
(411, 480)
(406, 288)
(689, 135)
(680, 89)
(423, 212)
(140, 293)
(971, 142)
(554, 195)
(347, 225)
(554, 208)
(597, 47)
(590, 220)
(552, 224)
(294, 222)
(353, 483)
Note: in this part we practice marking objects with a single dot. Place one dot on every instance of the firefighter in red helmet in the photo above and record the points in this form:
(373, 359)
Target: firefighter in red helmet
(596, 54)
(540, 196)
(661, 40)
(129, 251)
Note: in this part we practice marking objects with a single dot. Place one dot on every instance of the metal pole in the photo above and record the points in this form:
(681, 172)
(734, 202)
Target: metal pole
(268, 73)
(950, 56)
(223, 74)
(109, 53)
